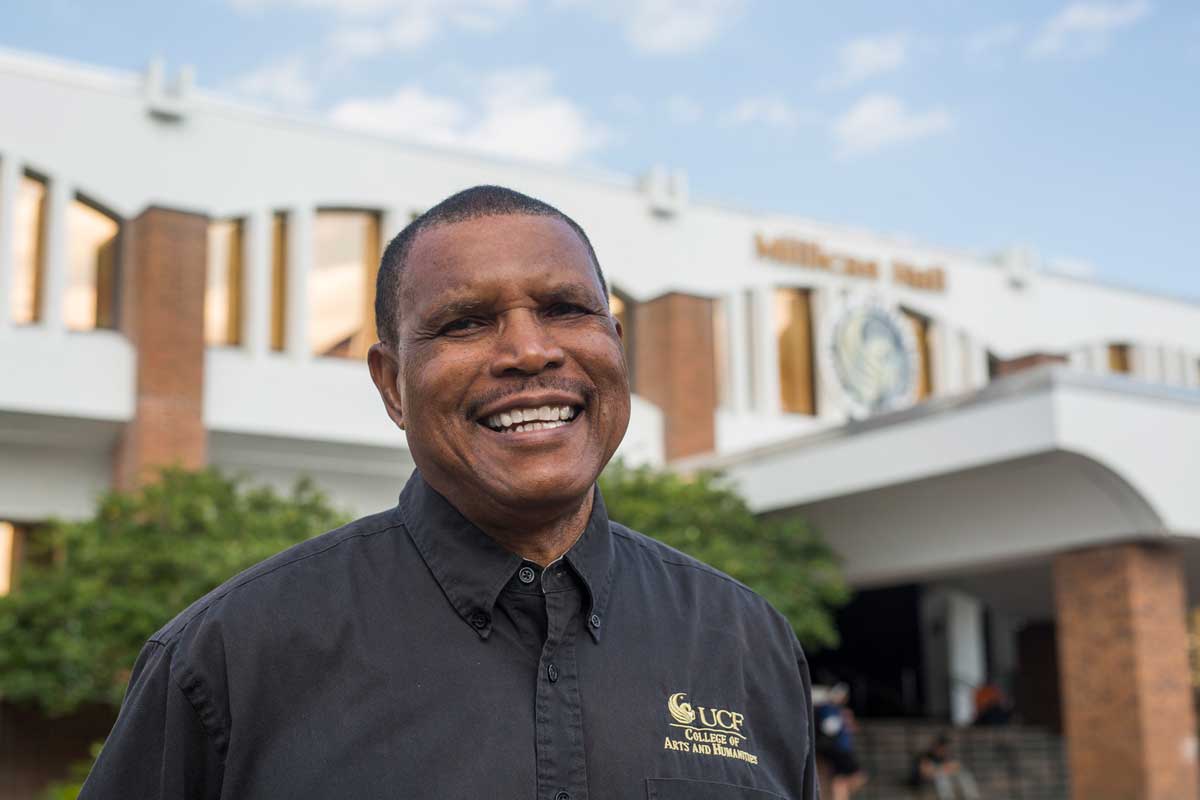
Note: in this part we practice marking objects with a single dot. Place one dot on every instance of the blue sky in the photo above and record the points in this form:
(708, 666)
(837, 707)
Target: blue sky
(1072, 127)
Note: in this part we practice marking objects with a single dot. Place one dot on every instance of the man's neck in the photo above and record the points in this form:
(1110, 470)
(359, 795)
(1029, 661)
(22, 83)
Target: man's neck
(537, 533)
(544, 540)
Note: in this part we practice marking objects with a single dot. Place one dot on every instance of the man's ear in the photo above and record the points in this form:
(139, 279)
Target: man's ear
(385, 372)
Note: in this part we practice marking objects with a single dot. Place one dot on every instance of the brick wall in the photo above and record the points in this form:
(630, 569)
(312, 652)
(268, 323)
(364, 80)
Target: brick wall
(162, 314)
(1127, 697)
(676, 369)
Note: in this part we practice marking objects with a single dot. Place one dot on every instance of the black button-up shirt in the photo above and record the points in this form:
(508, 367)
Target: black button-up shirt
(409, 655)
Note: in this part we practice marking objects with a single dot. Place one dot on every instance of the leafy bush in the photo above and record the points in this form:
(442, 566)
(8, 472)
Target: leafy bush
(780, 558)
(94, 591)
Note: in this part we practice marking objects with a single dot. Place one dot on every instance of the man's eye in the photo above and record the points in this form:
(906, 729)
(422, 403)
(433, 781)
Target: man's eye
(460, 326)
(565, 310)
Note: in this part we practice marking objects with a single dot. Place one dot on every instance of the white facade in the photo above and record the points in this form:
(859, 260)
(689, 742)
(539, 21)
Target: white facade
(128, 141)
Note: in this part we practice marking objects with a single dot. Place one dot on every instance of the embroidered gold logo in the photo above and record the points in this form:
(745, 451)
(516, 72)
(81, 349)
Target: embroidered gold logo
(706, 731)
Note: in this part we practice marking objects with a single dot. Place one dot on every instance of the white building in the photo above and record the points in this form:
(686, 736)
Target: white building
(1015, 451)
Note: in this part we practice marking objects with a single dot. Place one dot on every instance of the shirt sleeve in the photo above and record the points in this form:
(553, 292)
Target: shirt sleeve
(809, 788)
(158, 749)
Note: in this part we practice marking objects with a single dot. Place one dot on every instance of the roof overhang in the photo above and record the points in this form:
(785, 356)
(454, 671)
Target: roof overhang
(1033, 464)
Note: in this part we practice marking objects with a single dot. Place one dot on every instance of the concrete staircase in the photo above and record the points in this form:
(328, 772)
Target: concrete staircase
(1009, 763)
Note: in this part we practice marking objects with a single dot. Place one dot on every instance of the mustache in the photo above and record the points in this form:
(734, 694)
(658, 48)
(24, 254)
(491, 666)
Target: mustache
(552, 383)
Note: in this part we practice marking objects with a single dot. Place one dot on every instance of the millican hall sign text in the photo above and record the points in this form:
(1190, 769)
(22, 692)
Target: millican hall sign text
(810, 254)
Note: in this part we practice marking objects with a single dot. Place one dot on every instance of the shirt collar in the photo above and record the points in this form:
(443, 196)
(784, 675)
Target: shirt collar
(472, 568)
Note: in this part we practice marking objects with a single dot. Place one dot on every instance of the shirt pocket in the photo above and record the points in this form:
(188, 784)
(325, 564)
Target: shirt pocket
(684, 789)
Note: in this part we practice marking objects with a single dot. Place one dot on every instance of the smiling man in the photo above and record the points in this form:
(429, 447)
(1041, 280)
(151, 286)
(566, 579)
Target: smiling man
(495, 634)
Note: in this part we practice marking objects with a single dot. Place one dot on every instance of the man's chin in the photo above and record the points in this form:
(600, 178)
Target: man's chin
(534, 490)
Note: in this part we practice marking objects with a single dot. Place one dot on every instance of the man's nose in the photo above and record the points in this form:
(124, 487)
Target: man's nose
(525, 346)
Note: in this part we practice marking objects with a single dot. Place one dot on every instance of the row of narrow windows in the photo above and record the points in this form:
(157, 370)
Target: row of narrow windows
(341, 284)
(92, 250)
(341, 293)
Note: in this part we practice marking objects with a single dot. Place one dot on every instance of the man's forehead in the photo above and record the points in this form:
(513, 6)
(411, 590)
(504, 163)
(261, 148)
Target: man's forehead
(444, 241)
(455, 260)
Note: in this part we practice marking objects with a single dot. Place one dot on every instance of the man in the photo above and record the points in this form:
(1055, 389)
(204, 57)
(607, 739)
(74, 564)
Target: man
(938, 767)
(835, 729)
(494, 634)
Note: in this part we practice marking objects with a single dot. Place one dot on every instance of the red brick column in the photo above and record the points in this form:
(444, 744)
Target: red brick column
(1127, 697)
(676, 370)
(162, 313)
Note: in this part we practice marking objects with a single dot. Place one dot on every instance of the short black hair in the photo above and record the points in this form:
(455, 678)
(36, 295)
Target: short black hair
(473, 203)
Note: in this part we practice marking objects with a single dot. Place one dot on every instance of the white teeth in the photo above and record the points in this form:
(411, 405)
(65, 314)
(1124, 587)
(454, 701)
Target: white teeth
(530, 419)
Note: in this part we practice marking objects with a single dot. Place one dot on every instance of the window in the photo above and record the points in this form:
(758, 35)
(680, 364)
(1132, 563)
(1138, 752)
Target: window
(794, 335)
(341, 290)
(91, 267)
(29, 222)
(721, 366)
(752, 345)
(920, 328)
(622, 307)
(1118, 359)
(8, 556)
(223, 284)
(23, 545)
(278, 279)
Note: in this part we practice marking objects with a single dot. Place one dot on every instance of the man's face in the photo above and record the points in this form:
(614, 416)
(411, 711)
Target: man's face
(503, 324)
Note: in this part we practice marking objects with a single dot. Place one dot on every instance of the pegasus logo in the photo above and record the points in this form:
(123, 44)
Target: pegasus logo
(717, 720)
(706, 731)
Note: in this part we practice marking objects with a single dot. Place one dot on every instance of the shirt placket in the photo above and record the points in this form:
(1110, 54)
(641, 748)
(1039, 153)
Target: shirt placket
(561, 769)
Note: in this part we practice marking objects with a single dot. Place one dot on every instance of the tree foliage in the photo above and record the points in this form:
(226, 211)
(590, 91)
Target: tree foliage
(781, 558)
(94, 591)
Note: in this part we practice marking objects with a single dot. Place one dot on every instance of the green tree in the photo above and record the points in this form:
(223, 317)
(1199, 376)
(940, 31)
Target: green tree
(93, 591)
(780, 558)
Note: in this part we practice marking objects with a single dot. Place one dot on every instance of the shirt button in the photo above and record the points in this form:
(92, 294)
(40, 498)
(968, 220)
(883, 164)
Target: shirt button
(563, 796)
(527, 575)
(552, 673)
(480, 620)
(594, 620)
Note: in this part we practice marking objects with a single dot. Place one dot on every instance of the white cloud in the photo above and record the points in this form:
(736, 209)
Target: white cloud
(516, 114)
(664, 27)
(367, 28)
(283, 82)
(1084, 29)
(880, 121)
(985, 42)
(867, 57)
(350, 8)
(771, 111)
(407, 31)
(683, 110)
(678, 26)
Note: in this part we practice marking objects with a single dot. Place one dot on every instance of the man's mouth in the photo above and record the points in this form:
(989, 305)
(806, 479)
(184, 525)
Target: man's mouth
(518, 420)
